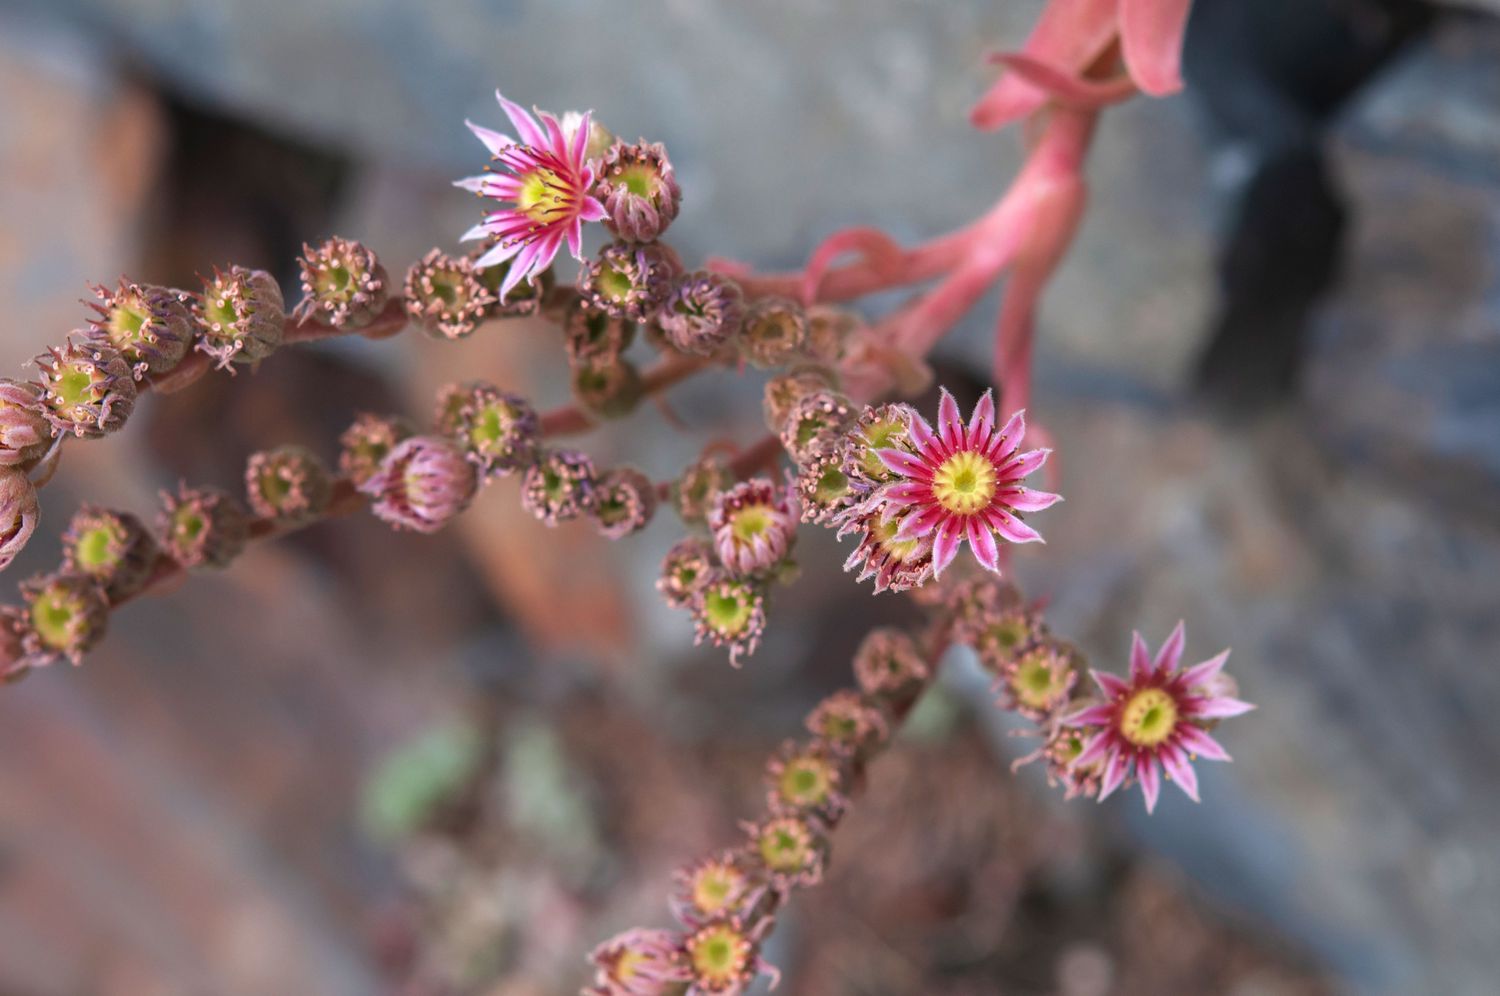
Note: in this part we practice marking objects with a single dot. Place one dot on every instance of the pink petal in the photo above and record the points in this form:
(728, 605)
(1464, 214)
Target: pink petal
(592, 210)
(1098, 715)
(1170, 654)
(905, 464)
(1180, 770)
(1011, 528)
(493, 140)
(1196, 741)
(575, 238)
(1149, 776)
(908, 493)
(525, 127)
(982, 542)
(498, 253)
(1004, 444)
(1114, 774)
(921, 433)
(1023, 465)
(1152, 33)
(945, 545)
(921, 523)
(1112, 685)
(950, 422)
(1094, 750)
(1029, 500)
(476, 184)
(1221, 707)
(981, 423)
(581, 138)
(483, 230)
(1140, 658)
(1199, 674)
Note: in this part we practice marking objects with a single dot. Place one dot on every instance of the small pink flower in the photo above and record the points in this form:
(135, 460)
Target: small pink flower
(1157, 720)
(963, 483)
(547, 184)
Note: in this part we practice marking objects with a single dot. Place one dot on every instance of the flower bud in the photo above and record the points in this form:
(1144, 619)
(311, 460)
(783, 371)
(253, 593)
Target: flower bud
(754, 525)
(698, 486)
(639, 191)
(241, 316)
(1038, 682)
(815, 423)
(721, 957)
(113, 548)
(785, 390)
(609, 387)
(730, 612)
(686, 568)
(559, 486)
(791, 850)
(366, 442)
(887, 663)
(848, 724)
(19, 512)
(87, 388)
(343, 284)
(896, 563)
(773, 331)
(806, 779)
(66, 616)
(823, 487)
(879, 427)
(25, 432)
(828, 332)
(203, 527)
(445, 296)
(591, 334)
(525, 298)
(498, 432)
(288, 484)
(15, 663)
(629, 280)
(421, 484)
(703, 312)
(150, 327)
(624, 502)
(638, 962)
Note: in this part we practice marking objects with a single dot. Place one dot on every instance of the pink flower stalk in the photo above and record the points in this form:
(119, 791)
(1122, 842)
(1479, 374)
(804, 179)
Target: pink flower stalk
(963, 483)
(548, 185)
(1074, 35)
(1159, 719)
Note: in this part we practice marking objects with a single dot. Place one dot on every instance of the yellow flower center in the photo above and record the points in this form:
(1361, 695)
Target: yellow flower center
(750, 522)
(542, 197)
(965, 483)
(1037, 681)
(719, 955)
(806, 781)
(1148, 718)
(715, 886)
(627, 966)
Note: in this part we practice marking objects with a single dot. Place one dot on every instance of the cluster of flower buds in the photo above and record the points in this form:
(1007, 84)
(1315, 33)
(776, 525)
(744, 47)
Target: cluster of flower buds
(724, 579)
(726, 904)
(1098, 732)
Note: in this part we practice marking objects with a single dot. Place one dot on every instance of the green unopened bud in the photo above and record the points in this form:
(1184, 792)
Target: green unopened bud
(66, 616)
(87, 389)
(241, 316)
(625, 501)
(289, 484)
(498, 431)
(773, 332)
(203, 527)
(343, 284)
(607, 386)
(366, 442)
(113, 548)
(151, 327)
(445, 296)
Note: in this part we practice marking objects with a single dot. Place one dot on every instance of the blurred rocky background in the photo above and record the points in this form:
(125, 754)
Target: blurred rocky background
(364, 763)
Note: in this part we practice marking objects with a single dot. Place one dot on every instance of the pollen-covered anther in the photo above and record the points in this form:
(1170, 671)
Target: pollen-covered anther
(445, 296)
(639, 190)
(560, 486)
(625, 501)
(87, 388)
(202, 527)
(730, 612)
(288, 484)
(114, 548)
(66, 616)
(629, 280)
(815, 423)
(888, 663)
(343, 284)
(422, 484)
(499, 432)
(703, 313)
(366, 442)
(687, 567)
(774, 330)
(241, 316)
(754, 525)
(151, 327)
